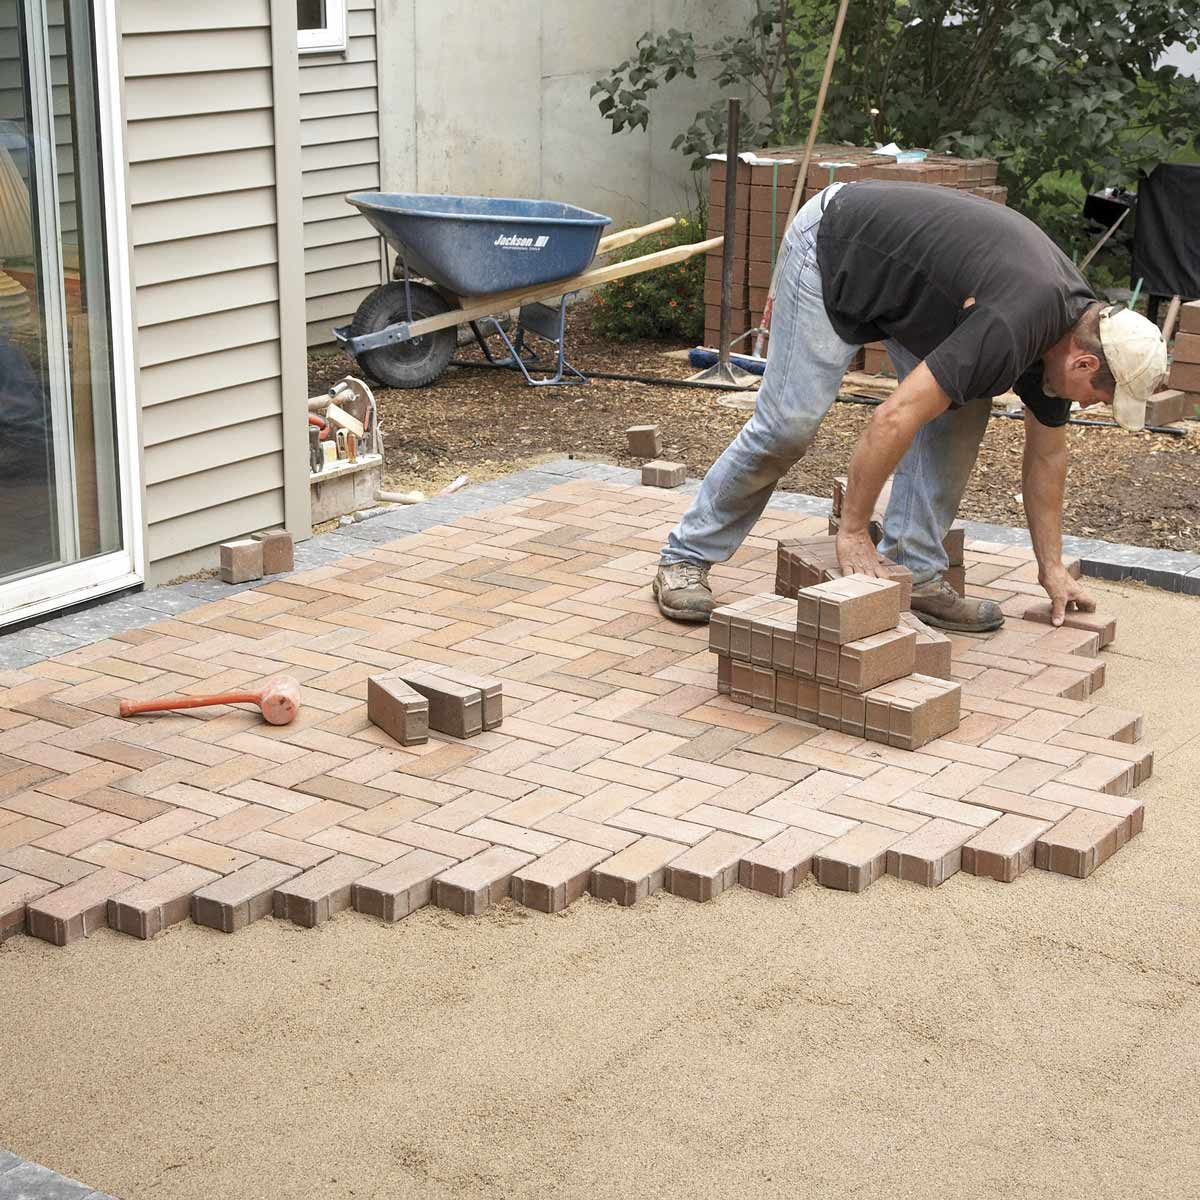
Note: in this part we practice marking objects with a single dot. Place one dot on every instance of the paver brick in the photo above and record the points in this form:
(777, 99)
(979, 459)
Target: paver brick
(454, 708)
(557, 879)
(1104, 627)
(931, 854)
(241, 560)
(149, 907)
(1004, 849)
(55, 868)
(776, 866)
(1129, 810)
(976, 815)
(852, 862)
(705, 870)
(278, 551)
(663, 474)
(635, 872)
(1079, 843)
(469, 887)
(400, 887)
(399, 710)
(232, 902)
(318, 894)
(15, 894)
(1116, 724)
(644, 441)
(885, 815)
(77, 910)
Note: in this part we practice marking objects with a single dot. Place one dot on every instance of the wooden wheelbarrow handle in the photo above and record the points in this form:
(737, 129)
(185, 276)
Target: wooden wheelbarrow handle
(278, 699)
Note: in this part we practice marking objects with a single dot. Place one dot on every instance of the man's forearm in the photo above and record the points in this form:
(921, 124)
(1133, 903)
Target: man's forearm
(1043, 484)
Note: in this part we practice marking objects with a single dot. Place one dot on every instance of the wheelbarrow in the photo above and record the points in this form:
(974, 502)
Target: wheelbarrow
(477, 256)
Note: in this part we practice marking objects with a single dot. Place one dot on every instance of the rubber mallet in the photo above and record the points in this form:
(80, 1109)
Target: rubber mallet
(278, 699)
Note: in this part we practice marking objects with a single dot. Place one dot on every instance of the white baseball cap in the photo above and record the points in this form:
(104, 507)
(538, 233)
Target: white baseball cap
(1137, 357)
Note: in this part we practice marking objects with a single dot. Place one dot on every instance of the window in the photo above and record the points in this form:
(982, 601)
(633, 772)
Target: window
(321, 25)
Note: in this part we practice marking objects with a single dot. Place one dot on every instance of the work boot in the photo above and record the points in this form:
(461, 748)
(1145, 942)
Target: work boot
(682, 591)
(937, 603)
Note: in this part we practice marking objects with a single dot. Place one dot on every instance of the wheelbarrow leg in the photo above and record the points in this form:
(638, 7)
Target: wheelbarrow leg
(544, 322)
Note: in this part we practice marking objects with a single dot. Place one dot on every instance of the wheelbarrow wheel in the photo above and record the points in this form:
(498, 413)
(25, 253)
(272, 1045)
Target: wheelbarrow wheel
(410, 364)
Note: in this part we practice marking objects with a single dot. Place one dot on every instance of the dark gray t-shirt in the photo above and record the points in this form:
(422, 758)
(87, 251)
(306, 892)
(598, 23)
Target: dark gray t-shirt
(900, 260)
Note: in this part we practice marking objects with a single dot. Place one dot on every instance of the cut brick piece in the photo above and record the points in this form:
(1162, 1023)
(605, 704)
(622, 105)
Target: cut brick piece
(644, 441)
(401, 887)
(776, 866)
(75, 911)
(852, 862)
(1079, 843)
(315, 896)
(931, 854)
(873, 661)
(558, 879)
(399, 710)
(1104, 627)
(636, 872)
(150, 907)
(708, 868)
(241, 560)
(663, 474)
(470, 887)
(235, 901)
(1004, 849)
(278, 551)
(933, 651)
(15, 895)
(453, 708)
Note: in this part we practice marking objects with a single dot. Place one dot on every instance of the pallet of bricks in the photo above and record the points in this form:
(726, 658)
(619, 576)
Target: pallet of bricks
(835, 651)
(1181, 398)
(764, 192)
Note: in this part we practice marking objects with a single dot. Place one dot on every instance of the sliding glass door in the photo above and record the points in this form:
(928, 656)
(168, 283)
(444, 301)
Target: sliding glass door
(63, 514)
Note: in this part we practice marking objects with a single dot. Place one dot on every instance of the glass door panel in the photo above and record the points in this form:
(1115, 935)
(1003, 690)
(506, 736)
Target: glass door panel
(59, 469)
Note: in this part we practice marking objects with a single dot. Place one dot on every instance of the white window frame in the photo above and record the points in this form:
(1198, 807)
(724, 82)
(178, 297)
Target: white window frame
(77, 582)
(331, 39)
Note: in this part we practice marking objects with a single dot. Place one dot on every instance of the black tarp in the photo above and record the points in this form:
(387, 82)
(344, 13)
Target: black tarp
(1166, 241)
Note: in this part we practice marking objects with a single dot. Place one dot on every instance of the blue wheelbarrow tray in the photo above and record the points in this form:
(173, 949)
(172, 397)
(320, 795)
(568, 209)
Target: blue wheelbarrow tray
(479, 245)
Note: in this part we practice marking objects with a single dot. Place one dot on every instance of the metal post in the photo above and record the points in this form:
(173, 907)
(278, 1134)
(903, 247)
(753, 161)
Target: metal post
(724, 374)
(727, 250)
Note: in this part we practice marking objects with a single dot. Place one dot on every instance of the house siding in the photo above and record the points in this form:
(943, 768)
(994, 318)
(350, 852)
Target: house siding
(339, 137)
(219, 353)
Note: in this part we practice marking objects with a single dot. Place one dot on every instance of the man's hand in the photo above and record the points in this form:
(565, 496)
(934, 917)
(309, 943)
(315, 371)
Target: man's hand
(856, 554)
(1064, 592)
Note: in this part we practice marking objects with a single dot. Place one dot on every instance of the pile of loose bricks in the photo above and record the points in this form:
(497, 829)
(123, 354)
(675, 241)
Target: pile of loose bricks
(1181, 399)
(764, 193)
(621, 768)
(837, 655)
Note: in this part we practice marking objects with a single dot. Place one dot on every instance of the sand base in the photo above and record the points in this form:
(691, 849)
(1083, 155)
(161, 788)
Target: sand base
(1031, 1040)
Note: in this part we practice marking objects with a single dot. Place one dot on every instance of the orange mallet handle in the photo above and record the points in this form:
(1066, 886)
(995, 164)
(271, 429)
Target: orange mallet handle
(278, 699)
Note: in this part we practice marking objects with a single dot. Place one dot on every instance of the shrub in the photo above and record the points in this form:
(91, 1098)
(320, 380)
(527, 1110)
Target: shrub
(664, 304)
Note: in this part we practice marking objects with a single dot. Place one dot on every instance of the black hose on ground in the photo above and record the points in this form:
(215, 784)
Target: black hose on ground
(846, 398)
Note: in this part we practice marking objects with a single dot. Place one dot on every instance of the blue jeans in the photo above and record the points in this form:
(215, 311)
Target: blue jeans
(806, 360)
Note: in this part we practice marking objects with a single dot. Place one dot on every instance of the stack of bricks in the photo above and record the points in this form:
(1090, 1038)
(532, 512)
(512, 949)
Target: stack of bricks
(764, 193)
(954, 542)
(1182, 398)
(838, 656)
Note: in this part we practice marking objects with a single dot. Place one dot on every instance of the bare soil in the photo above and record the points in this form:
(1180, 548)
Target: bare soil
(1139, 489)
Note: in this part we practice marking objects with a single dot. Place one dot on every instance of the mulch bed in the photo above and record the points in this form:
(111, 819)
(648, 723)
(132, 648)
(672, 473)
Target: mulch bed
(1139, 489)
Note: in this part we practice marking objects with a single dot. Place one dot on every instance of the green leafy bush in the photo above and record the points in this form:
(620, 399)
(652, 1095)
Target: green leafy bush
(667, 303)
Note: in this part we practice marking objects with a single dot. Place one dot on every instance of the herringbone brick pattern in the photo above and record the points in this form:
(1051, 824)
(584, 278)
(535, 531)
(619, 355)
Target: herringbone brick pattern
(618, 768)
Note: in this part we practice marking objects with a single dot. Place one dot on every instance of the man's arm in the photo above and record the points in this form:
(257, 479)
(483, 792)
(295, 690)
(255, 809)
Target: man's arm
(915, 402)
(1043, 481)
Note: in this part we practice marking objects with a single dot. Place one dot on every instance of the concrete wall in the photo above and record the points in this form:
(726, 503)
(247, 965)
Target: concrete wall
(495, 101)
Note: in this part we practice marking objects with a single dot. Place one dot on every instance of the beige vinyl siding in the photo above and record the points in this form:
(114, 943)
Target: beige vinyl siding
(202, 158)
(339, 137)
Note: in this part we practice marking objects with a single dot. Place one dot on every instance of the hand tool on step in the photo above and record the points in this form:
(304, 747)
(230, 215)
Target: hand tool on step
(278, 699)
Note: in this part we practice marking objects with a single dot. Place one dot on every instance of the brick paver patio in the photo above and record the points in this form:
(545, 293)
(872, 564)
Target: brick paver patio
(618, 768)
